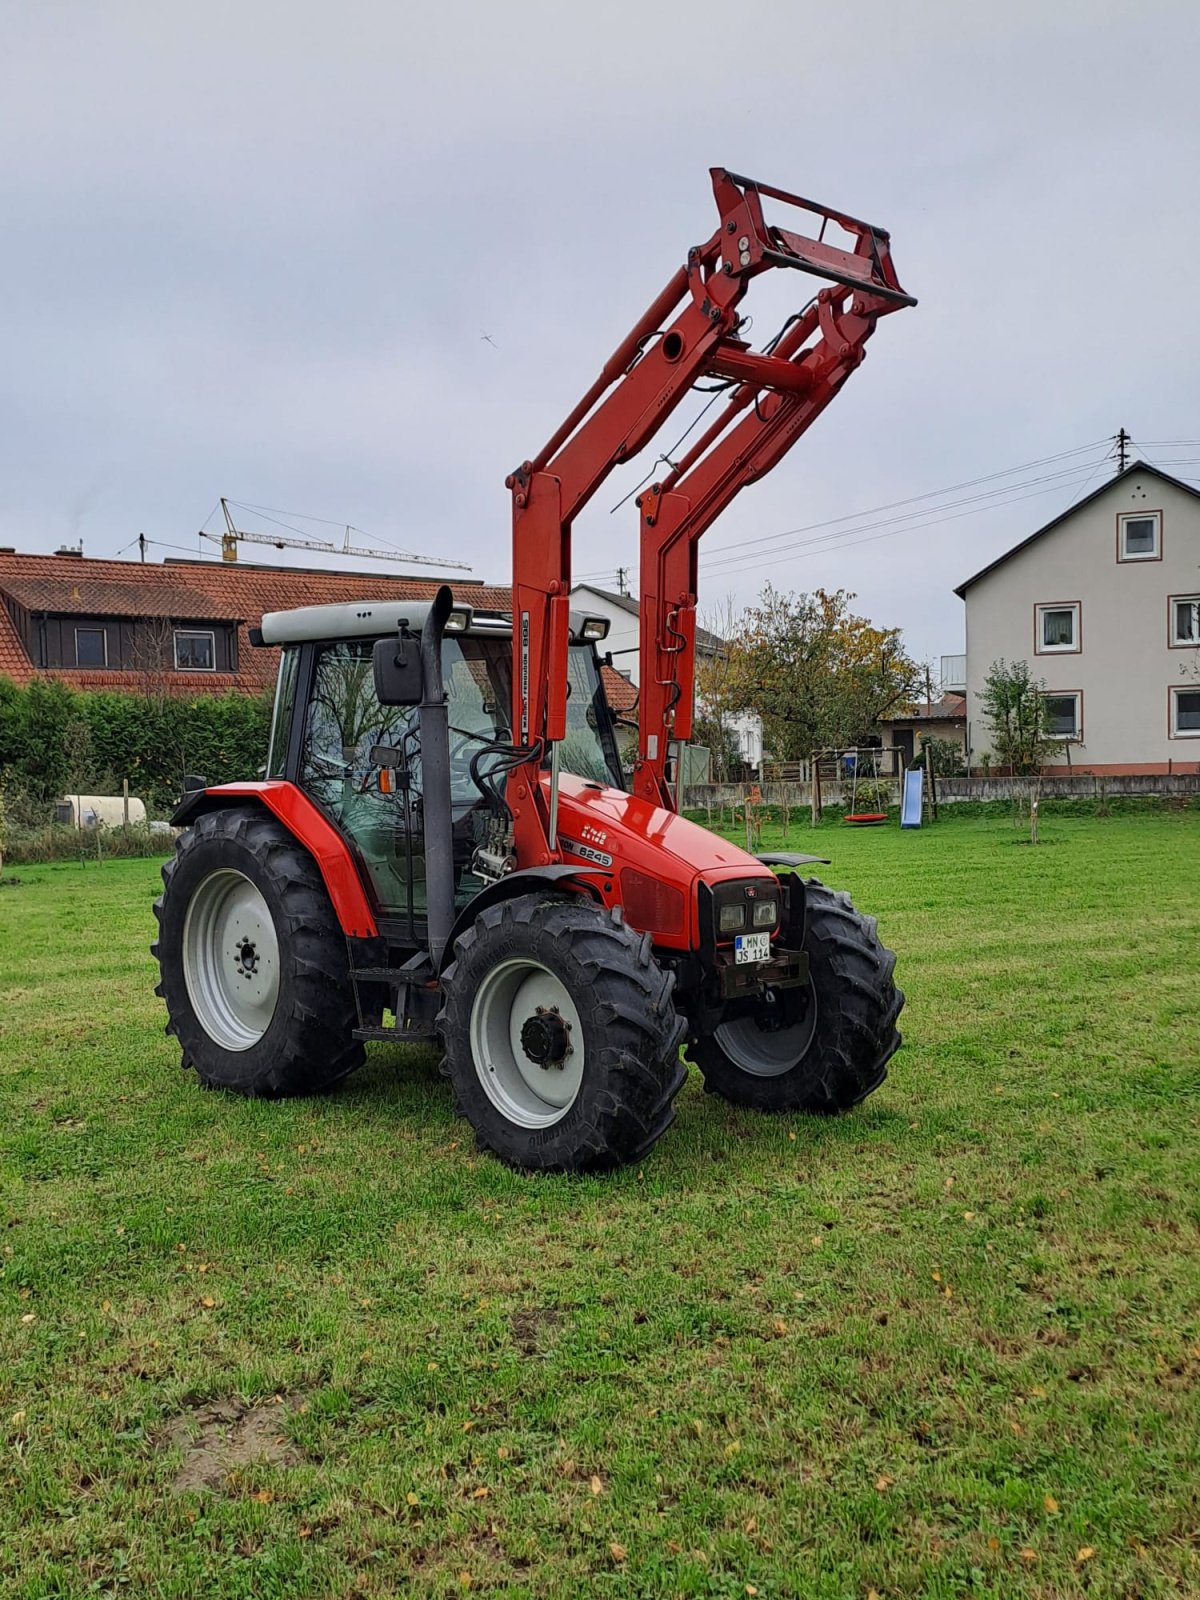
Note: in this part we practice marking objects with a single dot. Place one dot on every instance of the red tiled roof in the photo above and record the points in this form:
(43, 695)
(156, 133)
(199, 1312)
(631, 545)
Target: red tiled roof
(622, 695)
(14, 663)
(194, 591)
(950, 708)
(117, 597)
(209, 591)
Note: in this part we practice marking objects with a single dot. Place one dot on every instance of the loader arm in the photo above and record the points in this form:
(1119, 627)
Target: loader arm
(690, 332)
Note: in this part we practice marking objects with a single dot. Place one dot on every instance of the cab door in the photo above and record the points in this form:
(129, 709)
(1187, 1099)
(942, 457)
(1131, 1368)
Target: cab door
(361, 762)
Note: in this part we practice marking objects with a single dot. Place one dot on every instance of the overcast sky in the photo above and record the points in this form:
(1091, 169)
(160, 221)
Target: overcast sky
(252, 250)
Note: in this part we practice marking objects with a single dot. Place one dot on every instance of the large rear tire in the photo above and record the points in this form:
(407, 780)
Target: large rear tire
(562, 1042)
(253, 965)
(836, 1052)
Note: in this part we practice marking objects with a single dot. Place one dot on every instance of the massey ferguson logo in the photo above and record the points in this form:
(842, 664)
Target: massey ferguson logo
(594, 835)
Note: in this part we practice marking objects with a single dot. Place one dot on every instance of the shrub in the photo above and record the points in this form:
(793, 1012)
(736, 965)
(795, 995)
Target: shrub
(58, 841)
(54, 739)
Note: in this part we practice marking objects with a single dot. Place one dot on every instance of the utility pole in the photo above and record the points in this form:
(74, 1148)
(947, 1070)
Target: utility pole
(142, 547)
(622, 580)
(1123, 443)
(930, 775)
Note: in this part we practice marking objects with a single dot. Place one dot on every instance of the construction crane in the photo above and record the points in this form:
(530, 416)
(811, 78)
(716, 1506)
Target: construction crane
(233, 536)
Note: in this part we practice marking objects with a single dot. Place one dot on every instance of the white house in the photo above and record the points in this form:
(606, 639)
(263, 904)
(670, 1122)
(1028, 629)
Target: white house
(622, 612)
(1104, 605)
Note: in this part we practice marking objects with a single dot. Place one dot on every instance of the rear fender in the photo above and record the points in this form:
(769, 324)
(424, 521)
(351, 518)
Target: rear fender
(310, 828)
(510, 887)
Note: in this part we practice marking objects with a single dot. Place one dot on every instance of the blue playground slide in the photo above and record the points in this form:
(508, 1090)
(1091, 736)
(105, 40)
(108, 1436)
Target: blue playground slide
(914, 795)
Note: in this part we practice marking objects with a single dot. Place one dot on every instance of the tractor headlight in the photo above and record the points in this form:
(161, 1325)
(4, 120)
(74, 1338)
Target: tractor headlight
(743, 907)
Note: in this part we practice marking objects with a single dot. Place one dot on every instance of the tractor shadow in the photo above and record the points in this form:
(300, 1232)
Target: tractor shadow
(403, 1082)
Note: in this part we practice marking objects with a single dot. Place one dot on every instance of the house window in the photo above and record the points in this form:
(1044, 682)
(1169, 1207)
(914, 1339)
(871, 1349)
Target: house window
(195, 652)
(1185, 713)
(1058, 629)
(91, 647)
(1185, 619)
(1139, 536)
(1064, 716)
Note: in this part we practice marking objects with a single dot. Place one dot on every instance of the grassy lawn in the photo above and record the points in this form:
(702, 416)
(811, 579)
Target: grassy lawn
(947, 1345)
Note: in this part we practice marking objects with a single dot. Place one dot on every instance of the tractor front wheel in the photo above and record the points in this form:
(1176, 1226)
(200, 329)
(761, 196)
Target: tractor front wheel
(562, 1042)
(832, 1049)
(253, 966)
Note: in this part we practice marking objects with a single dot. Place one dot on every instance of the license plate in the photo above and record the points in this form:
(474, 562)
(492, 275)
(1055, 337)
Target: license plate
(752, 947)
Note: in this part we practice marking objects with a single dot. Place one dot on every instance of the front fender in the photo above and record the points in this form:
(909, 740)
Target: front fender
(510, 887)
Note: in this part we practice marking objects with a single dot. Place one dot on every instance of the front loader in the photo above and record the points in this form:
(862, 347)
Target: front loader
(444, 848)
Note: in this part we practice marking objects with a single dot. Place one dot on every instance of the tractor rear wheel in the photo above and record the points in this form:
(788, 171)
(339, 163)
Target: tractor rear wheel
(562, 1042)
(253, 965)
(835, 1052)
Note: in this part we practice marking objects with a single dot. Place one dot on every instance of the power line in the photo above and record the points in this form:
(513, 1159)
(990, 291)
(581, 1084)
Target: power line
(797, 553)
(987, 500)
(196, 555)
(931, 494)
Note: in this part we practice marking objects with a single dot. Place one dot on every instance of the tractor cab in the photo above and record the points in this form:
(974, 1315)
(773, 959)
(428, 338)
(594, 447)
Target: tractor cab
(360, 759)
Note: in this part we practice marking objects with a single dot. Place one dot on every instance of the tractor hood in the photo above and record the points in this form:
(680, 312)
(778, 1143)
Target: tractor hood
(607, 827)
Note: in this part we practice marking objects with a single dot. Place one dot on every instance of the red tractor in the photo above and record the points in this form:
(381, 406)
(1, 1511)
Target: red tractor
(444, 847)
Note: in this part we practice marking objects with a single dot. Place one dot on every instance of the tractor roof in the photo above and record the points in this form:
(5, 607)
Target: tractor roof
(354, 619)
(376, 619)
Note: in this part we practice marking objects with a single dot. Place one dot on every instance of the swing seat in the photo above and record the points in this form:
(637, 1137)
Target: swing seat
(865, 819)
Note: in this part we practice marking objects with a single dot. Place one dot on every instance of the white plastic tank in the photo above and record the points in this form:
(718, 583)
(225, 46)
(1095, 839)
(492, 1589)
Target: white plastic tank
(98, 810)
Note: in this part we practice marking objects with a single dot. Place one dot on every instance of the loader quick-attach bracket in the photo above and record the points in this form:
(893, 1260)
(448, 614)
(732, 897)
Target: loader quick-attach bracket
(691, 332)
(867, 268)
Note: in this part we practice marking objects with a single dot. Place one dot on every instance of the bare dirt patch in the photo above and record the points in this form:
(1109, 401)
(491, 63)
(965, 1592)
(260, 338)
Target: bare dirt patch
(225, 1436)
(530, 1323)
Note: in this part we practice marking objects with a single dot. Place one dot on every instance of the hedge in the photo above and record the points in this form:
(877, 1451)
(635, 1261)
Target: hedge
(56, 740)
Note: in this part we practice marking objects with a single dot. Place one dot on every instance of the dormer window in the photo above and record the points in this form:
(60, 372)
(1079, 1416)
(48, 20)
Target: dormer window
(1139, 536)
(91, 647)
(195, 650)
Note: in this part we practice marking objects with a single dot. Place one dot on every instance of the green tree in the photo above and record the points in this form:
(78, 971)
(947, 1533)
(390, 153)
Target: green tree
(1014, 707)
(944, 757)
(719, 738)
(819, 676)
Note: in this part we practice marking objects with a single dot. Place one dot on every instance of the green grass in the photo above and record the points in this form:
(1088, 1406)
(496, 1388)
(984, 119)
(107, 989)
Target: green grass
(938, 1347)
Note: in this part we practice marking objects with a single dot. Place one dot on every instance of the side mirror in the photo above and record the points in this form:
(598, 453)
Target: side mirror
(399, 680)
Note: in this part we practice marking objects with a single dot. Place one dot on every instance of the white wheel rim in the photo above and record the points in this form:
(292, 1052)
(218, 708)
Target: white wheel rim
(231, 960)
(530, 1093)
(766, 1053)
